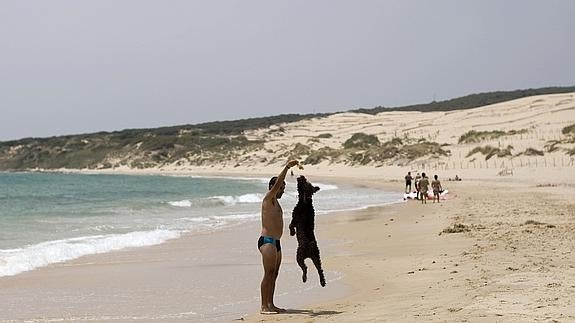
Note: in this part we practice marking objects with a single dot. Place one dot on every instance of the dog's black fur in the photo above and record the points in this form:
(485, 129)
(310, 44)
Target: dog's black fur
(302, 224)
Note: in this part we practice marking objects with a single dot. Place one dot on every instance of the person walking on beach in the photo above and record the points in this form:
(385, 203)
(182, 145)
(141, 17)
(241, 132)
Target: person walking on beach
(423, 187)
(269, 241)
(436, 187)
(408, 180)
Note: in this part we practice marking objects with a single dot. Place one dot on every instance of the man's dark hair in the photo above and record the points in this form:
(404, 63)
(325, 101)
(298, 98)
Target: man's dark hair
(435, 176)
(422, 174)
(273, 180)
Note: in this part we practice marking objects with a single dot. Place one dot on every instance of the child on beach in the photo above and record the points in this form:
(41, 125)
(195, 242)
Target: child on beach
(437, 189)
(269, 241)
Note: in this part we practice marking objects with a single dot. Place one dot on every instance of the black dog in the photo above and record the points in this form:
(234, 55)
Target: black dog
(302, 223)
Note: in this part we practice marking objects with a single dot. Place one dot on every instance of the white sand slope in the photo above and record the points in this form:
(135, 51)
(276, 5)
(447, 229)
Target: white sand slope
(543, 116)
(538, 119)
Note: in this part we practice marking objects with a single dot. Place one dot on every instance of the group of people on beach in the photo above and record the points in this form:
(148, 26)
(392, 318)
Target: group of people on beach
(422, 186)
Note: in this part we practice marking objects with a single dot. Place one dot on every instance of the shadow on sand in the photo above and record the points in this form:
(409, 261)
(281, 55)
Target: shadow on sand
(311, 313)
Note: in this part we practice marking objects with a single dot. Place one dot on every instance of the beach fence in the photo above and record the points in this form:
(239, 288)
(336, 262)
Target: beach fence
(501, 163)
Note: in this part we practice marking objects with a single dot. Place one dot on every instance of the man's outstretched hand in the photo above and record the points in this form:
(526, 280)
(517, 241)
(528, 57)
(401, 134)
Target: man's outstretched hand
(292, 163)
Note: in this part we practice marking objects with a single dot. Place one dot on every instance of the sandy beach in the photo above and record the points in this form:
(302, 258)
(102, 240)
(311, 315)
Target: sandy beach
(511, 262)
(499, 250)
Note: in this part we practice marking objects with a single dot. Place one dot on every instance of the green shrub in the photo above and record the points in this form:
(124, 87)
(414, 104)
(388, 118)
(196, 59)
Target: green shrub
(569, 130)
(533, 152)
(299, 150)
(360, 141)
(326, 153)
(552, 145)
(490, 151)
(473, 136)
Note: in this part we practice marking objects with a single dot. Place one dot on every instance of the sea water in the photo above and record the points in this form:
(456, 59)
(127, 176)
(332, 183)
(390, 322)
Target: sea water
(48, 218)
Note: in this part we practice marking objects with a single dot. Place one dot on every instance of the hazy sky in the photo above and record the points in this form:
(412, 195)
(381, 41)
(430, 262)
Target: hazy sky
(70, 67)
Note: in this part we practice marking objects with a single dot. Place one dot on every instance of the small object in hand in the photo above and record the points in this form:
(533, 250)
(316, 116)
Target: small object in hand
(300, 166)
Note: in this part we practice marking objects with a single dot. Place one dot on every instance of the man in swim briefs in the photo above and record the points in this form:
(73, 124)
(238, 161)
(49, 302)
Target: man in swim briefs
(269, 241)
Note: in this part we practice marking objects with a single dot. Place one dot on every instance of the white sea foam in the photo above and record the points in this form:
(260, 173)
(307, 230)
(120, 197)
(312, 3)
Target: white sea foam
(219, 200)
(246, 198)
(15, 261)
(182, 203)
(237, 216)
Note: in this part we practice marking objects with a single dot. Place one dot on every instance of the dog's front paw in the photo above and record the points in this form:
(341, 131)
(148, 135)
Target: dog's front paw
(292, 232)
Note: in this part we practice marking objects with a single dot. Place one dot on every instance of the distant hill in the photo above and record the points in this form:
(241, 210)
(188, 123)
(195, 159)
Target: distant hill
(199, 144)
(471, 101)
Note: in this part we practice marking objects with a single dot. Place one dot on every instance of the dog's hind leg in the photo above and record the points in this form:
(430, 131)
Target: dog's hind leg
(300, 258)
(317, 262)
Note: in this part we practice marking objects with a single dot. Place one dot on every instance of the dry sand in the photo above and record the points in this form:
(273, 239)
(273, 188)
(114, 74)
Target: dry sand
(512, 260)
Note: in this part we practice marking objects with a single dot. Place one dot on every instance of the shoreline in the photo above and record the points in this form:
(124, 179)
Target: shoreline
(169, 234)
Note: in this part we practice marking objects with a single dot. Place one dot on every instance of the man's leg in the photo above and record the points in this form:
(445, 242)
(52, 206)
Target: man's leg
(269, 255)
(277, 272)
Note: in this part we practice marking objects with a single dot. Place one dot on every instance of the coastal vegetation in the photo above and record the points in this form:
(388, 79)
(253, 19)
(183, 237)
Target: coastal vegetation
(364, 149)
(473, 136)
(531, 152)
(569, 130)
(490, 151)
(471, 101)
(563, 143)
(106, 150)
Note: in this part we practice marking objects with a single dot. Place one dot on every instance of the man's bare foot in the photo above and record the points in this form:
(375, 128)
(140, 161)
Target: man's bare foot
(272, 309)
(266, 310)
(277, 309)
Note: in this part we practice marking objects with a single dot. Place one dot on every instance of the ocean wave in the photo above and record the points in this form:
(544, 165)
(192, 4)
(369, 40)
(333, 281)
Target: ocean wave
(237, 216)
(182, 203)
(15, 261)
(246, 198)
(219, 200)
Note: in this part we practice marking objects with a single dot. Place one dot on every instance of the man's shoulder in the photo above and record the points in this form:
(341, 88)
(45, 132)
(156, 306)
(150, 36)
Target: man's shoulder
(268, 200)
